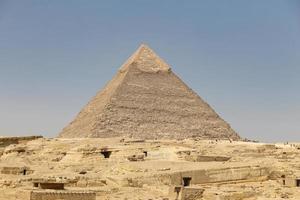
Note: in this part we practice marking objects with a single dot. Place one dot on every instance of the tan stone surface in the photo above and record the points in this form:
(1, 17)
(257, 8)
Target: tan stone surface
(253, 172)
(147, 100)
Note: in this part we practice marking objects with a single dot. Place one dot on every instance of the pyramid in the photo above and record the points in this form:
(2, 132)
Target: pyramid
(147, 100)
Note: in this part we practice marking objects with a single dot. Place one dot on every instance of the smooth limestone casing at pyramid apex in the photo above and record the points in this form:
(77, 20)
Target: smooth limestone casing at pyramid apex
(147, 100)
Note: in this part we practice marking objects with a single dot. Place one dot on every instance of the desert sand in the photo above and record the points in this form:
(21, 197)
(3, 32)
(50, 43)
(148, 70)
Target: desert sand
(151, 169)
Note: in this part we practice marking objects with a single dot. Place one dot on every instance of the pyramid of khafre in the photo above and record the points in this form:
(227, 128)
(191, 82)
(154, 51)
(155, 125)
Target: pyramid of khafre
(147, 100)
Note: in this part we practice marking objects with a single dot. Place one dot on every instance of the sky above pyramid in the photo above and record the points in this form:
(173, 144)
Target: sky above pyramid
(241, 57)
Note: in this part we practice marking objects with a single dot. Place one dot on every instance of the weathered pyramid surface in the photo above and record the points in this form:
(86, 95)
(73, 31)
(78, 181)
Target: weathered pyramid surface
(147, 100)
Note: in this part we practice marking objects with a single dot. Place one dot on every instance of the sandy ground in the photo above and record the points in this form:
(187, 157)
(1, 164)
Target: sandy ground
(117, 177)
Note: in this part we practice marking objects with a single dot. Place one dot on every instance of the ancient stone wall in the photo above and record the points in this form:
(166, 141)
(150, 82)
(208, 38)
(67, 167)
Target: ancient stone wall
(55, 195)
(200, 158)
(5, 141)
(191, 193)
(16, 170)
(221, 175)
(185, 193)
(291, 182)
(202, 176)
(63, 195)
(54, 186)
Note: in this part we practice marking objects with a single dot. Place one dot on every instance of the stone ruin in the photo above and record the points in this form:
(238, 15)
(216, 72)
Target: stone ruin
(49, 184)
(84, 170)
(291, 181)
(187, 193)
(138, 157)
(16, 170)
(28, 194)
(5, 141)
(52, 189)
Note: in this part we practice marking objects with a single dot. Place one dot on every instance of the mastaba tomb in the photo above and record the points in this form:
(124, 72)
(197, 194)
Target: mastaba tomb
(147, 100)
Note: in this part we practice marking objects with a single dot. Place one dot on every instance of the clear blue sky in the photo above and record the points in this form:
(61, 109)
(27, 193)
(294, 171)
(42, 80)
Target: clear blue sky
(242, 57)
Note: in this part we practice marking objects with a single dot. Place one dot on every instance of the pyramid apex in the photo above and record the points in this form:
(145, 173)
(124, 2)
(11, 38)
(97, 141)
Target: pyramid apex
(146, 60)
(144, 46)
